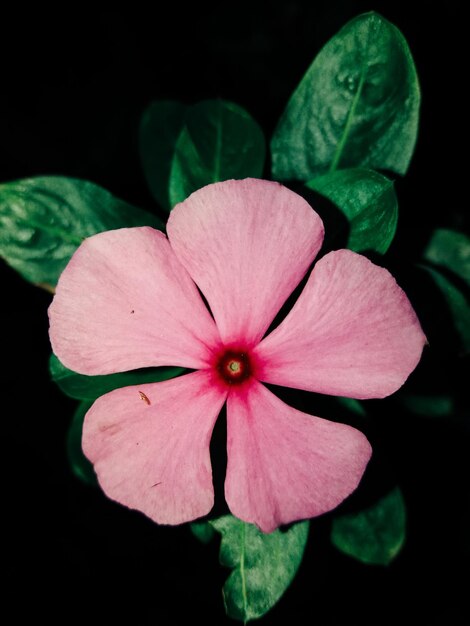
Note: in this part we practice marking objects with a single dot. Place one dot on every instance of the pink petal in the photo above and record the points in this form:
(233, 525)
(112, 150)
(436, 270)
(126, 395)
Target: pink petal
(351, 333)
(150, 446)
(247, 244)
(285, 465)
(123, 302)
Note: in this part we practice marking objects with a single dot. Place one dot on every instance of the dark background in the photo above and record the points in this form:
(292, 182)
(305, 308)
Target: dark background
(73, 88)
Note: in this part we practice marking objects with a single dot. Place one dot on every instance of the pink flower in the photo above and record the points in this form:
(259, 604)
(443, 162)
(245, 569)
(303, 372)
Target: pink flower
(128, 299)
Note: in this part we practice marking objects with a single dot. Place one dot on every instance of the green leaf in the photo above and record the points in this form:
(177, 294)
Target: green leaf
(84, 387)
(204, 531)
(159, 130)
(219, 141)
(457, 303)
(374, 535)
(369, 203)
(79, 464)
(447, 261)
(43, 220)
(352, 405)
(263, 565)
(357, 106)
(434, 405)
(451, 250)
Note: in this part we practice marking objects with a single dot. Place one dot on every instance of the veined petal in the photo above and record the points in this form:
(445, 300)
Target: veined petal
(247, 244)
(150, 446)
(285, 465)
(352, 332)
(124, 301)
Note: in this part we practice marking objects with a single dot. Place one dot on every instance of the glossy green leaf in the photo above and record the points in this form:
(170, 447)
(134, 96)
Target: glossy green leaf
(368, 201)
(204, 531)
(79, 464)
(263, 565)
(374, 535)
(357, 106)
(84, 387)
(43, 220)
(219, 141)
(159, 130)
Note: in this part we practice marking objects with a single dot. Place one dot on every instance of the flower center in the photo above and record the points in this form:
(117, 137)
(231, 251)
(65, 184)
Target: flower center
(234, 367)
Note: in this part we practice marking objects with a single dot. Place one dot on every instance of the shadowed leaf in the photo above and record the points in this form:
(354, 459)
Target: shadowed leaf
(219, 141)
(160, 127)
(374, 535)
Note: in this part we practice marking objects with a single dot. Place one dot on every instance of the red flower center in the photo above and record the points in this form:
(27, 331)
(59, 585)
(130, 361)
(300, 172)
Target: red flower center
(234, 366)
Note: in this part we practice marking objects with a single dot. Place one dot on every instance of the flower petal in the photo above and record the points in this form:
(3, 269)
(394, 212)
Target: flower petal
(285, 465)
(150, 446)
(123, 302)
(351, 333)
(247, 244)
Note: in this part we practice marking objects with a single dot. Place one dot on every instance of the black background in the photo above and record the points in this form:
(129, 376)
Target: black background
(73, 87)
